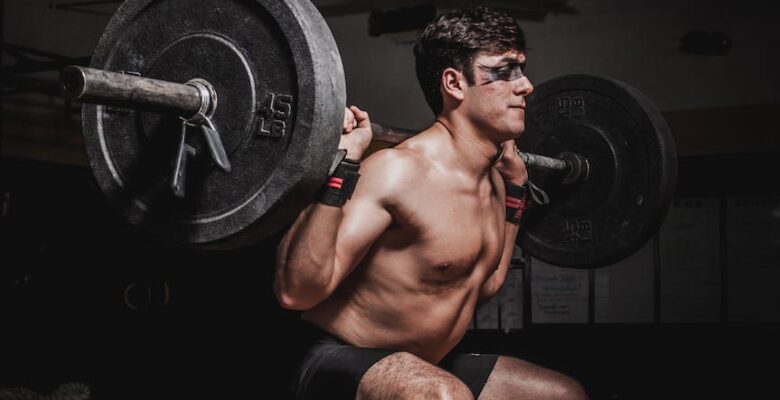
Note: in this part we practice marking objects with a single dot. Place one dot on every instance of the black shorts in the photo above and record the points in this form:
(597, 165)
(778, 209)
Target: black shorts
(332, 369)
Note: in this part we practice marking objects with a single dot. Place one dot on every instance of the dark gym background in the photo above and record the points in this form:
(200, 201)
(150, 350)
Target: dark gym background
(74, 277)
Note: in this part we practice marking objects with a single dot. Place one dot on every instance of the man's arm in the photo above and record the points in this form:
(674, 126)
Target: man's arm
(325, 242)
(496, 280)
(512, 170)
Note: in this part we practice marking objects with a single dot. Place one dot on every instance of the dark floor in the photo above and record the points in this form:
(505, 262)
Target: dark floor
(67, 264)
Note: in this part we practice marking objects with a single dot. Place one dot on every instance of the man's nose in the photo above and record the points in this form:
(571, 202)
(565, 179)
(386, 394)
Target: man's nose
(524, 87)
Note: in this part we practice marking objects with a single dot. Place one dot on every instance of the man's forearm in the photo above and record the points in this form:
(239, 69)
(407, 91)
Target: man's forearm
(496, 280)
(306, 257)
(516, 195)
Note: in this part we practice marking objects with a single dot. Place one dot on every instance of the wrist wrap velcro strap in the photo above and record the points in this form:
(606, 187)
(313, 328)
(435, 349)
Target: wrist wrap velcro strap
(515, 202)
(339, 187)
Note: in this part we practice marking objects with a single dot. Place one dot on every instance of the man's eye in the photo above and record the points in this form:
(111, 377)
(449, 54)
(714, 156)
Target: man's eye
(510, 73)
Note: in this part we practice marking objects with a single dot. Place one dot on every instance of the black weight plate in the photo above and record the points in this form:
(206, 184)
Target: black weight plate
(633, 168)
(280, 97)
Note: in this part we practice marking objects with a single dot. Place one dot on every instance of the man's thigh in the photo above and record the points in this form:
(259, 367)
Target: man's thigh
(513, 378)
(403, 375)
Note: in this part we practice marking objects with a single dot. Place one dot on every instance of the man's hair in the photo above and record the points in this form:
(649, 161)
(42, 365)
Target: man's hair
(454, 39)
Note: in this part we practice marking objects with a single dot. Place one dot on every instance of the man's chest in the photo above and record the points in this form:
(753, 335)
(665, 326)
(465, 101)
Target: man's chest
(456, 236)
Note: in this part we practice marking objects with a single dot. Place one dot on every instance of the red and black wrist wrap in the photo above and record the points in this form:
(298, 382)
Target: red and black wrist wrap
(340, 185)
(515, 202)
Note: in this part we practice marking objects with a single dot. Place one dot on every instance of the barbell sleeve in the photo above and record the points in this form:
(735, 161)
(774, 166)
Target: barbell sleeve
(97, 86)
(91, 85)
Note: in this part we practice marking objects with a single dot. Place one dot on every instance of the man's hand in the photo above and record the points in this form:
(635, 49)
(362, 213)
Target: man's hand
(511, 165)
(357, 133)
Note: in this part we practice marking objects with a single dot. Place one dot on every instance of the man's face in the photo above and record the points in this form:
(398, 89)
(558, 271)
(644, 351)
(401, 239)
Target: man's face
(496, 101)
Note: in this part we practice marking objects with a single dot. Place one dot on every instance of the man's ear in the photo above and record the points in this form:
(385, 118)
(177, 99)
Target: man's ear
(453, 83)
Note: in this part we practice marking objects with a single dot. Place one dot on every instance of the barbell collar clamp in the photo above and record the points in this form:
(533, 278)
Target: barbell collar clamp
(208, 101)
(195, 101)
(579, 167)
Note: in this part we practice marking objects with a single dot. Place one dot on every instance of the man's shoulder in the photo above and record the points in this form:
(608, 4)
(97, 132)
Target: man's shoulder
(395, 167)
(397, 161)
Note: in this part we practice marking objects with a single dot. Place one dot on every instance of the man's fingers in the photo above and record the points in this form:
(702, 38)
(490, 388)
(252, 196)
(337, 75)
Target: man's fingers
(349, 120)
(361, 117)
(509, 145)
(509, 148)
(346, 123)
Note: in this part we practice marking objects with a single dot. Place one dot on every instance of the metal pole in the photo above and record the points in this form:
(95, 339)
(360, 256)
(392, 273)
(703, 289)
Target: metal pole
(103, 87)
(91, 85)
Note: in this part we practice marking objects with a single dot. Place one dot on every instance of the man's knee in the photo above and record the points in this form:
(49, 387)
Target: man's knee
(512, 378)
(405, 376)
(566, 388)
(441, 388)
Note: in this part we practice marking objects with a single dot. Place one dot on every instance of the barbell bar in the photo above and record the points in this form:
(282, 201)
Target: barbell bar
(95, 86)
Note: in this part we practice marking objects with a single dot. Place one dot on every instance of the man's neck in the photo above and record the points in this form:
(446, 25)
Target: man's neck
(472, 150)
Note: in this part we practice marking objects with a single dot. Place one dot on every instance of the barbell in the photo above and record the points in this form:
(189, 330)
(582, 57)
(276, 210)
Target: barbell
(196, 101)
(218, 127)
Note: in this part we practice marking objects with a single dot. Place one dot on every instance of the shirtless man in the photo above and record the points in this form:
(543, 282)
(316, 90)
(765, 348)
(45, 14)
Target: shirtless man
(391, 279)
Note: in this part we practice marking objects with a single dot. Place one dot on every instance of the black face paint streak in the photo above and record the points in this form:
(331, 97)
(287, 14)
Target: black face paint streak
(506, 72)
